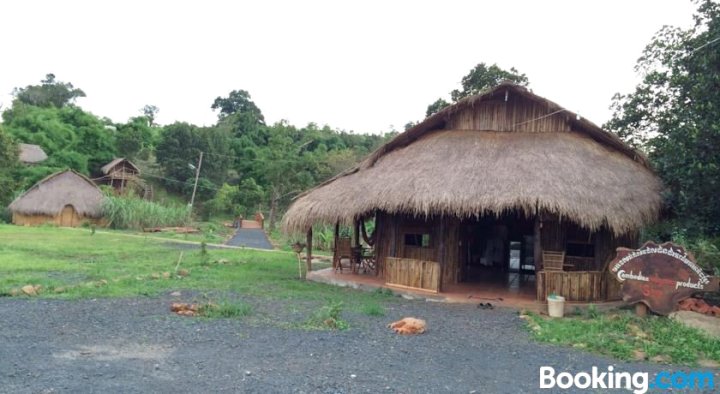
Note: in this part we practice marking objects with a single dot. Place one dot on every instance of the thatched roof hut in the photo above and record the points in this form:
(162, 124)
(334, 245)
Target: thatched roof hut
(65, 198)
(32, 154)
(120, 166)
(502, 182)
(462, 162)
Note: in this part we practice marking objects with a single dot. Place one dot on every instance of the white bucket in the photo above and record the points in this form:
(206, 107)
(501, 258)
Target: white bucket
(556, 306)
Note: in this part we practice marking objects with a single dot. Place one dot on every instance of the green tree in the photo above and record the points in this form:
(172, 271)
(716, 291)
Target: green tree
(71, 137)
(150, 113)
(179, 146)
(8, 163)
(480, 78)
(237, 102)
(50, 92)
(673, 115)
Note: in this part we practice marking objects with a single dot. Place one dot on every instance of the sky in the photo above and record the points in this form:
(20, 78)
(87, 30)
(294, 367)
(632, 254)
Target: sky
(363, 66)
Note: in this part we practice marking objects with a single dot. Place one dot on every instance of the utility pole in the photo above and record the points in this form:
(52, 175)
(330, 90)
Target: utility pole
(197, 175)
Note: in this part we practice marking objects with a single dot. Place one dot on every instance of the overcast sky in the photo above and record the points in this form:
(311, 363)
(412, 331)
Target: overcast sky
(362, 65)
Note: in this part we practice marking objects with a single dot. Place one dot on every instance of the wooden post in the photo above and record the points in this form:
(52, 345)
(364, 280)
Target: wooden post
(308, 262)
(641, 309)
(537, 244)
(356, 233)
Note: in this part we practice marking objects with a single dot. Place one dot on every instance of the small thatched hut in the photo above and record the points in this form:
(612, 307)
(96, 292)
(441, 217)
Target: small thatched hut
(32, 154)
(486, 188)
(65, 198)
(121, 174)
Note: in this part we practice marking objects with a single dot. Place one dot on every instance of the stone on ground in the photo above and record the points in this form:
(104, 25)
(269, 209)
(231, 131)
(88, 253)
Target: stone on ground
(707, 324)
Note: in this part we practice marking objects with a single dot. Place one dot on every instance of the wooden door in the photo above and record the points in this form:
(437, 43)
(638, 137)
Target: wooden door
(67, 216)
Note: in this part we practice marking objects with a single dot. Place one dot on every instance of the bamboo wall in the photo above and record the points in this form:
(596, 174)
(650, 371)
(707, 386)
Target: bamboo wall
(443, 248)
(412, 273)
(39, 220)
(586, 282)
(515, 114)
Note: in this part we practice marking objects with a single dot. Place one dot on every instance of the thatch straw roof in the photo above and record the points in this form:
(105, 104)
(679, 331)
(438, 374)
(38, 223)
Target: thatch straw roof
(50, 195)
(587, 175)
(109, 166)
(31, 154)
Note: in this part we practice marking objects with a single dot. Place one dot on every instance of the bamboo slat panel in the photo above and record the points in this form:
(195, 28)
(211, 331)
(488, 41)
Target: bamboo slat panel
(577, 286)
(419, 274)
(515, 114)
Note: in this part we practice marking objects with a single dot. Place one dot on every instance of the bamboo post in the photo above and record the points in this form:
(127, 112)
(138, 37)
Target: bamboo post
(537, 244)
(308, 262)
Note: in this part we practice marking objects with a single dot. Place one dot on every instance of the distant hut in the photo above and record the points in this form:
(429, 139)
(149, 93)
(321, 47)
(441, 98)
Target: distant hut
(122, 175)
(65, 199)
(32, 154)
(504, 189)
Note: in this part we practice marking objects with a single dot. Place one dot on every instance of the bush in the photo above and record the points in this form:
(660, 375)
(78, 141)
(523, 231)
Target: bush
(135, 213)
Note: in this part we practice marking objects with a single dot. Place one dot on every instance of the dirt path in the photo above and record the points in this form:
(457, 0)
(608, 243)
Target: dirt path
(137, 346)
(251, 238)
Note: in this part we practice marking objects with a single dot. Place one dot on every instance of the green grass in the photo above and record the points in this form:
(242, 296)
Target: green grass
(226, 310)
(73, 263)
(327, 318)
(627, 337)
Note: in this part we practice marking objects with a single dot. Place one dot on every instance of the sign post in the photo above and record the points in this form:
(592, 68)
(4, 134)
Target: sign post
(659, 277)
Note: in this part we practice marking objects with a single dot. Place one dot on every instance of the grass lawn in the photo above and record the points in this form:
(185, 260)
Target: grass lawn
(623, 335)
(75, 263)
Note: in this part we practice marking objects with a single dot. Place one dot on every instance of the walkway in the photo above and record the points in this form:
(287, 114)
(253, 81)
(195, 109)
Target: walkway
(250, 235)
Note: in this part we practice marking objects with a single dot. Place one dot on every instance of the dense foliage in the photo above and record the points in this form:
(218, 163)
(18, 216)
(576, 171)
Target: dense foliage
(8, 164)
(674, 115)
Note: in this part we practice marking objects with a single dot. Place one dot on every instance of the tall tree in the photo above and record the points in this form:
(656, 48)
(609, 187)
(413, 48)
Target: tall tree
(480, 78)
(237, 102)
(150, 113)
(50, 92)
(8, 162)
(673, 115)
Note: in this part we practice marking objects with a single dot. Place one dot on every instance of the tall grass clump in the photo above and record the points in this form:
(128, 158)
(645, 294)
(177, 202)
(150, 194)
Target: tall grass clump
(136, 213)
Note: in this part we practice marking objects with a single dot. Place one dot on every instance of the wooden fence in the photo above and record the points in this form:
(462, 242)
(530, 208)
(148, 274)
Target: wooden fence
(414, 274)
(578, 286)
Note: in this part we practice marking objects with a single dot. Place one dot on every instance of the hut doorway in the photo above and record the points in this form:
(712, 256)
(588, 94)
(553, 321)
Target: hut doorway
(498, 251)
(68, 216)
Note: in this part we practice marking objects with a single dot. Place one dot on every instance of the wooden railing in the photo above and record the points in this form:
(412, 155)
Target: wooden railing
(413, 274)
(578, 286)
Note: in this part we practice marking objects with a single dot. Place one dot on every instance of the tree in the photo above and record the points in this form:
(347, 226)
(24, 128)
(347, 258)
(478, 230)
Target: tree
(237, 102)
(150, 113)
(8, 163)
(673, 115)
(480, 78)
(50, 92)
(179, 147)
(71, 137)
(135, 136)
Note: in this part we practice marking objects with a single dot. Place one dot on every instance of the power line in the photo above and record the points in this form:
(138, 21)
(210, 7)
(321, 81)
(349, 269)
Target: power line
(704, 45)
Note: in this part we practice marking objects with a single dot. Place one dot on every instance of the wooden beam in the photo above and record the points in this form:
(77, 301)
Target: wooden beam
(308, 262)
(537, 244)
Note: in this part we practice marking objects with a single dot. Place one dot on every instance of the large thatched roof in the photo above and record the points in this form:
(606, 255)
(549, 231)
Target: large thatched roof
(31, 154)
(587, 175)
(50, 195)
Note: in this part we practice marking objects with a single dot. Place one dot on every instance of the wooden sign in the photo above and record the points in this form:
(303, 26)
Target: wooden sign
(660, 276)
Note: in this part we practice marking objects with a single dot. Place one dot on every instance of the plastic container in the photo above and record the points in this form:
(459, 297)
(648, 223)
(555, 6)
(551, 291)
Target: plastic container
(556, 306)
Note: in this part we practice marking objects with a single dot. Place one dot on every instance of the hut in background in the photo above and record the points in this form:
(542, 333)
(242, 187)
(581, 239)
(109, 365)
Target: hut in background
(65, 199)
(32, 154)
(123, 175)
(482, 191)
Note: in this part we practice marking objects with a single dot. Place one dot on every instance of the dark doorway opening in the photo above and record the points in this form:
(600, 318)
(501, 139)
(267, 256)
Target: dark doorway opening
(498, 251)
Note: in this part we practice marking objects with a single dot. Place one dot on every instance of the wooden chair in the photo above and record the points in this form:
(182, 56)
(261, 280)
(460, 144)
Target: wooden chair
(552, 260)
(343, 250)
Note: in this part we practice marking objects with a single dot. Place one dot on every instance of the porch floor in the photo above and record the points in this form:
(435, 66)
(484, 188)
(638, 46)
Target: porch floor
(508, 294)
(494, 292)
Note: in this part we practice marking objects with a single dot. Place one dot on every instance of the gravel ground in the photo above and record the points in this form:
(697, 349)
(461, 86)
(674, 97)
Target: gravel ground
(137, 346)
